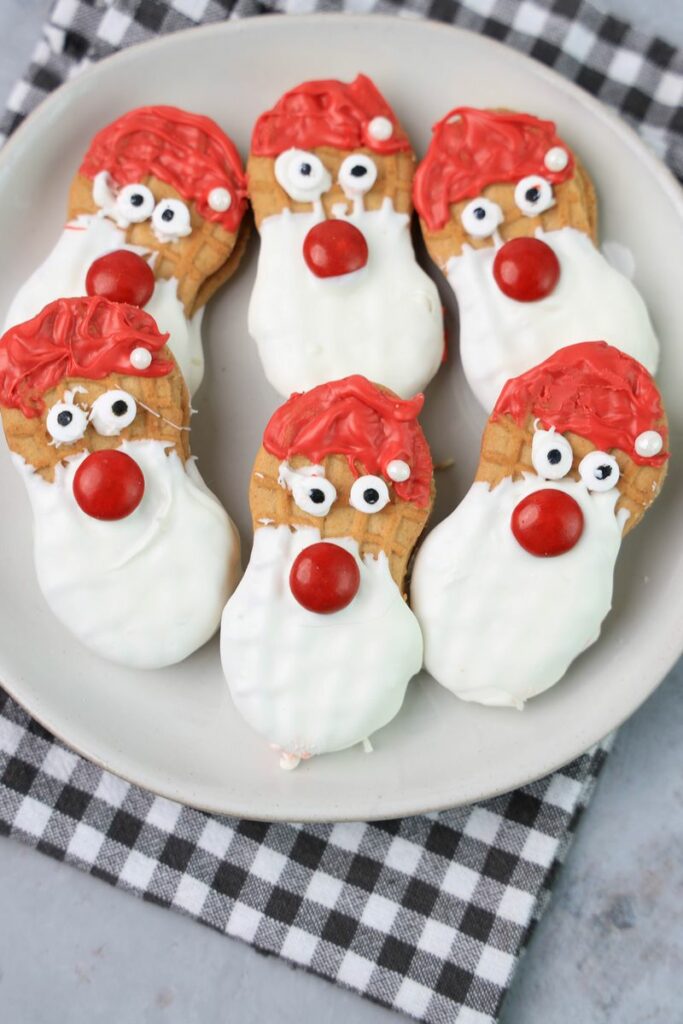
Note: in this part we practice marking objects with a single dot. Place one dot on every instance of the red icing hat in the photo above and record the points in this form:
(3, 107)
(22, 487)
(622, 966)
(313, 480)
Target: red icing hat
(592, 390)
(352, 417)
(187, 151)
(329, 113)
(473, 148)
(89, 338)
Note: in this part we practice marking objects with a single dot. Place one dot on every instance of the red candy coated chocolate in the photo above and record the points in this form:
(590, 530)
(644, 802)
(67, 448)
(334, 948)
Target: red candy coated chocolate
(334, 248)
(526, 269)
(108, 485)
(121, 276)
(324, 578)
(547, 523)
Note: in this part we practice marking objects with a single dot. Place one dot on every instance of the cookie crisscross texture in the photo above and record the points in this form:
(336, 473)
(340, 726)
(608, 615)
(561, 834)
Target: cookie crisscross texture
(200, 262)
(394, 181)
(506, 452)
(575, 206)
(394, 530)
(163, 414)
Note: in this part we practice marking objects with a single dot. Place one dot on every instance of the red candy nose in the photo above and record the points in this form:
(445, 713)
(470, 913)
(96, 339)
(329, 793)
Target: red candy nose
(547, 523)
(526, 269)
(109, 485)
(121, 276)
(324, 578)
(335, 247)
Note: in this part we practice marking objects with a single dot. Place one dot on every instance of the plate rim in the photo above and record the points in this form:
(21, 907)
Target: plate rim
(627, 135)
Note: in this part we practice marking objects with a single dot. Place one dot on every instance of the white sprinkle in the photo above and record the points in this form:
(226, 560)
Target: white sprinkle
(141, 358)
(380, 129)
(220, 199)
(556, 159)
(398, 471)
(649, 444)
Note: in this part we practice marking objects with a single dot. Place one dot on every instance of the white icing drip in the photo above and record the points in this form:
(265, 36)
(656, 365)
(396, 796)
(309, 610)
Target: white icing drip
(501, 338)
(288, 668)
(63, 273)
(501, 625)
(104, 193)
(384, 322)
(289, 478)
(145, 591)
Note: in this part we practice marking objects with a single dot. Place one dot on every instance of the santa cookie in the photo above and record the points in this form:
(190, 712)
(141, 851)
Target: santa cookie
(510, 216)
(318, 644)
(133, 553)
(517, 581)
(338, 290)
(168, 186)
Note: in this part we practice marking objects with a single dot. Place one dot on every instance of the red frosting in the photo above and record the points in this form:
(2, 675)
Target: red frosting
(327, 113)
(593, 390)
(473, 148)
(352, 417)
(88, 337)
(187, 151)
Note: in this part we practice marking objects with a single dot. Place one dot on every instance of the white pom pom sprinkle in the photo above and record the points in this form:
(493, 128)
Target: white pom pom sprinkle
(141, 358)
(398, 471)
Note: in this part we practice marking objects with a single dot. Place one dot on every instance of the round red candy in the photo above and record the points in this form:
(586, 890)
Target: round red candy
(121, 276)
(547, 523)
(526, 269)
(334, 248)
(108, 485)
(324, 578)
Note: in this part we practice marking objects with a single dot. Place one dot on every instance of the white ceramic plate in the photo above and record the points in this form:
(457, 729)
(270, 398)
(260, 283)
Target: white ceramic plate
(176, 731)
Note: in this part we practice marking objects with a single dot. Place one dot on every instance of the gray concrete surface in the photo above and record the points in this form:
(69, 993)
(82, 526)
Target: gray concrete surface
(609, 949)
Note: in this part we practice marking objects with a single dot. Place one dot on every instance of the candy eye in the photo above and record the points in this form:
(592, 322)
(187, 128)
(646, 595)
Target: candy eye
(599, 471)
(551, 454)
(481, 218)
(302, 175)
(66, 422)
(135, 203)
(357, 175)
(171, 220)
(314, 495)
(369, 494)
(112, 412)
(534, 195)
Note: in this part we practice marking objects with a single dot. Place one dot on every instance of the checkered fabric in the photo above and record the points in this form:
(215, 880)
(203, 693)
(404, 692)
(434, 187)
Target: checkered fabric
(427, 915)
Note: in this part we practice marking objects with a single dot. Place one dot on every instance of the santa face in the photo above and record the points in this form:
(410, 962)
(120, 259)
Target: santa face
(148, 589)
(88, 238)
(501, 624)
(503, 335)
(338, 290)
(289, 669)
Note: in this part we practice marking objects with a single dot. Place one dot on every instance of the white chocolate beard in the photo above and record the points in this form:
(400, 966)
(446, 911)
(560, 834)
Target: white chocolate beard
(63, 273)
(501, 338)
(384, 321)
(145, 591)
(313, 683)
(501, 625)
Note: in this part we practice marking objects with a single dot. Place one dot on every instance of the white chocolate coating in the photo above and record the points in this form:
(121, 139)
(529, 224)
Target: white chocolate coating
(145, 591)
(501, 338)
(384, 321)
(63, 274)
(314, 683)
(501, 625)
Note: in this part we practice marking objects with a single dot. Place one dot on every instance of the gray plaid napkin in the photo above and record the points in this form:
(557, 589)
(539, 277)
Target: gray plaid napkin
(429, 914)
